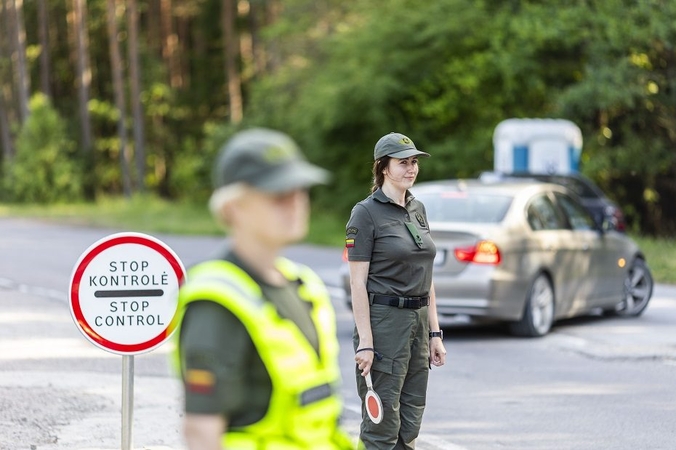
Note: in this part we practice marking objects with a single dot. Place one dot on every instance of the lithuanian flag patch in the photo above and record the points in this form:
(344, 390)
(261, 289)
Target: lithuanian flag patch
(200, 381)
(349, 243)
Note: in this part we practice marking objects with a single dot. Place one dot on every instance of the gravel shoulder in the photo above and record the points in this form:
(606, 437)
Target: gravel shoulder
(58, 391)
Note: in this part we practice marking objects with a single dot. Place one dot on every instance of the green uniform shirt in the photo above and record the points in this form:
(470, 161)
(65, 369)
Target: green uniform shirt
(214, 340)
(377, 232)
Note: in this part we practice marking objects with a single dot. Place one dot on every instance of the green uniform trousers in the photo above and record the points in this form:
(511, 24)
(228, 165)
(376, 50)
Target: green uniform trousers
(401, 339)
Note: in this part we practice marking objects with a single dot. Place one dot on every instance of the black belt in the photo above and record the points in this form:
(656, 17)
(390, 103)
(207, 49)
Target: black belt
(399, 302)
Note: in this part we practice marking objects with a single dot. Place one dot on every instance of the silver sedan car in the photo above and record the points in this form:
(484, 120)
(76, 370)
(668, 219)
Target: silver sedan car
(527, 254)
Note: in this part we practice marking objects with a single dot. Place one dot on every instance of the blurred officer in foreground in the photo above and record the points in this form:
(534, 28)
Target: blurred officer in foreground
(257, 346)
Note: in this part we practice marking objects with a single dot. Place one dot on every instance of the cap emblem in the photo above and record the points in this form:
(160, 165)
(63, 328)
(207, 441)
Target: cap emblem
(276, 154)
(405, 141)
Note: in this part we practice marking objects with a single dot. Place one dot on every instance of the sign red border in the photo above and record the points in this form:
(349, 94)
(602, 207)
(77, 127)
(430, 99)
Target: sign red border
(86, 259)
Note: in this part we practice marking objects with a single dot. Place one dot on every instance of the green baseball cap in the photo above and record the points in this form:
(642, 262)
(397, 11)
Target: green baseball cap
(267, 160)
(396, 145)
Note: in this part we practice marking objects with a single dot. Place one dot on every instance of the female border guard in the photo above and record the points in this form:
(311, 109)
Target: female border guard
(257, 345)
(390, 254)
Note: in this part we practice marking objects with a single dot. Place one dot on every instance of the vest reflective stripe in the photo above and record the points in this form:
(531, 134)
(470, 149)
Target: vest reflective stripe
(300, 414)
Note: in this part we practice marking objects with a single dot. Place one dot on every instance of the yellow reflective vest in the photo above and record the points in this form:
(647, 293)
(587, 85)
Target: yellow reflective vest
(304, 406)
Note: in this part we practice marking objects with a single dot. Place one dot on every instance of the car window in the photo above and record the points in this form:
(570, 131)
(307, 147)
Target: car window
(542, 215)
(578, 186)
(577, 215)
(460, 206)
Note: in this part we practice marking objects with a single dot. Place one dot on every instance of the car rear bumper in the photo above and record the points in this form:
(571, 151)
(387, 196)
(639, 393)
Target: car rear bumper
(481, 291)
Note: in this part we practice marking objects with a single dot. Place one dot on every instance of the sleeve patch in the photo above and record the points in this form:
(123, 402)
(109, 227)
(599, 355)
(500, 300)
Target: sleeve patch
(352, 231)
(349, 243)
(200, 381)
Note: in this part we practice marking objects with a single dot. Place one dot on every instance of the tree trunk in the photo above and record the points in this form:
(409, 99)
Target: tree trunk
(5, 87)
(257, 49)
(272, 12)
(153, 26)
(118, 87)
(18, 44)
(5, 135)
(84, 76)
(136, 107)
(43, 28)
(231, 49)
(170, 44)
(182, 59)
(246, 48)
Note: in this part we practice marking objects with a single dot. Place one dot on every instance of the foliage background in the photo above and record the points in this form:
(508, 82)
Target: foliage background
(337, 75)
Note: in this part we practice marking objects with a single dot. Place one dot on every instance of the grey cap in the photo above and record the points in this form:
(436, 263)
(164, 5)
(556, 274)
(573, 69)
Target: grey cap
(267, 160)
(396, 145)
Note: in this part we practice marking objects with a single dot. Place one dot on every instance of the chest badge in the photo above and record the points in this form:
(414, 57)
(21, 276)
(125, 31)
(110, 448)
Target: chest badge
(421, 220)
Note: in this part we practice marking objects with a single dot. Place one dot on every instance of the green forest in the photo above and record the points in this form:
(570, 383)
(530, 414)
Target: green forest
(119, 97)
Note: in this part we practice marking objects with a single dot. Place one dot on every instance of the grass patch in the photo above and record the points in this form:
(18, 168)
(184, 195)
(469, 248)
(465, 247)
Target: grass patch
(144, 214)
(148, 214)
(660, 254)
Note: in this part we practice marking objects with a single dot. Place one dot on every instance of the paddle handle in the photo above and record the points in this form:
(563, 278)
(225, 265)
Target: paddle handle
(369, 382)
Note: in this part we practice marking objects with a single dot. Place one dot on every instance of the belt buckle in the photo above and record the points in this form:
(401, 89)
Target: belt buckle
(401, 302)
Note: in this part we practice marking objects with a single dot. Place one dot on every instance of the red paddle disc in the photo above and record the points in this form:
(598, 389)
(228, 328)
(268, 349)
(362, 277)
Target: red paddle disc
(374, 407)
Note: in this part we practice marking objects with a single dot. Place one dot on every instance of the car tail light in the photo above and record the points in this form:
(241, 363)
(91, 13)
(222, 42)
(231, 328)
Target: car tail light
(484, 252)
(620, 224)
(616, 217)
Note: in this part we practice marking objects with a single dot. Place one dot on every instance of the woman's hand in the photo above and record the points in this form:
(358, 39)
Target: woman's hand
(364, 359)
(437, 352)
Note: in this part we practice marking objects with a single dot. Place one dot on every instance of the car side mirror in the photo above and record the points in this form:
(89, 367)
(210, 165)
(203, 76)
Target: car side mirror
(608, 224)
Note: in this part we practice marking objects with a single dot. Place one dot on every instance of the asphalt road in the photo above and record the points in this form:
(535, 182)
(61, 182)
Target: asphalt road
(592, 383)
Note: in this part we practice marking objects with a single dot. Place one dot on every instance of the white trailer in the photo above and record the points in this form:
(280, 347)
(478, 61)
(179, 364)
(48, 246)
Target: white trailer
(542, 146)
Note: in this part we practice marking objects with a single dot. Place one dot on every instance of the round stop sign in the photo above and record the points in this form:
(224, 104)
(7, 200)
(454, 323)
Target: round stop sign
(124, 292)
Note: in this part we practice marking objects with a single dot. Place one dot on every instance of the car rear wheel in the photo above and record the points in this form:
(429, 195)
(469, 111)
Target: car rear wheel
(638, 288)
(538, 314)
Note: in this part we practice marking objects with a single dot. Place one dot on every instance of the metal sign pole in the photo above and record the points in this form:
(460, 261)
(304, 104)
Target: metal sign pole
(127, 400)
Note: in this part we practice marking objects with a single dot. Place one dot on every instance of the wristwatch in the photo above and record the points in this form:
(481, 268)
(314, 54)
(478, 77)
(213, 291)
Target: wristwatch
(439, 334)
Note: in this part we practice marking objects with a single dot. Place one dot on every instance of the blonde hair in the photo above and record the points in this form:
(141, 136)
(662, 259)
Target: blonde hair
(223, 196)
